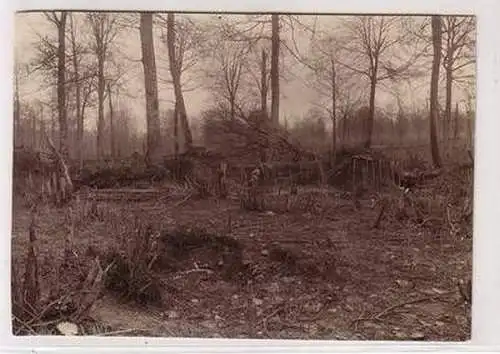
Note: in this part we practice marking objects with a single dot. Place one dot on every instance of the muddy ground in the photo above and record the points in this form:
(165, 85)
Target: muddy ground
(318, 271)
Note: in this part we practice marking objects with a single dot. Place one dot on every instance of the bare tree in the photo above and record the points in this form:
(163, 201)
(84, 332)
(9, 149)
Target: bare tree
(188, 38)
(434, 104)
(371, 39)
(332, 87)
(252, 31)
(77, 52)
(104, 30)
(123, 132)
(334, 83)
(151, 87)
(113, 88)
(226, 77)
(60, 23)
(275, 79)
(264, 78)
(241, 52)
(346, 108)
(111, 121)
(457, 55)
(334, 107)
(78, 72)
(175, 63)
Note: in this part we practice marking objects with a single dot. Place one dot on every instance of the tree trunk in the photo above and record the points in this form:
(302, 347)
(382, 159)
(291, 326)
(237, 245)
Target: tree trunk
(176, 133)
(449, 87)
(76, 69)
(400, 122)
(42, 127)
(112, 134)
(53, 126)
(344, 129)
(456, 123)
(33, 131)
(175, 71)
(81, 130)
(275, 79)
(263, 83)
(233, 108)
(151, 88)
(61, 87)
(176, 144)
(100, 108)
(370, 120)
(434, 104)
(334, 110)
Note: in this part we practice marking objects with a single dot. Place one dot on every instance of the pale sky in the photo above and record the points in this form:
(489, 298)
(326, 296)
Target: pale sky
(297, 98)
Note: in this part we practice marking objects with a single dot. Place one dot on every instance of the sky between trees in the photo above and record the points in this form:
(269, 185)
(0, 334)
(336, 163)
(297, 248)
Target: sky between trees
(298, 86)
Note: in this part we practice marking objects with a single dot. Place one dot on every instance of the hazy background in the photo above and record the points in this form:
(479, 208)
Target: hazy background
(297, 95)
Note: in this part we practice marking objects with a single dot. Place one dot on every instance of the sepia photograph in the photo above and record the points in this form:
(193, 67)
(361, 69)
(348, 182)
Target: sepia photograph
(243, 175)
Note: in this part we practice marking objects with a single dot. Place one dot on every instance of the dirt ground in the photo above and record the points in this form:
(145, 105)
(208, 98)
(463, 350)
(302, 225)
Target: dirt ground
(310, 273)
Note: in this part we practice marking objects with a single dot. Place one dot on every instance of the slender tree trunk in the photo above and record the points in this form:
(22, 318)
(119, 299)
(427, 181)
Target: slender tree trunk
(340, 129)
(400, 122)
(76, 69)
(175, 71)
(176, 133)
(456, 123)
(233, 108)
(470, 132)
(275, 79)
(177, 171)
(370, 121)
(81, 130)
(53, 126)
(42, 133)
(263, 83)
(344, 129)
(449, 88)
(33, 131)
(61, 87)
(350, 126)
(434, 104)
(334, 110)
(151, 88)
(112, 134)
(100, 108)
(42, 128)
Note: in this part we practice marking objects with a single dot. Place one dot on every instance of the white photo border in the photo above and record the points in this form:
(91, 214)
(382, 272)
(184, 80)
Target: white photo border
(486, 250)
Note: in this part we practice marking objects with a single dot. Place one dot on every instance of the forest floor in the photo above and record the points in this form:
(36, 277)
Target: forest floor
(310, 274)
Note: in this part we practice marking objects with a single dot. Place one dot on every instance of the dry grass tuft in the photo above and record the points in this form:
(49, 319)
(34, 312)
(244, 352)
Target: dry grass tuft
(130, 264)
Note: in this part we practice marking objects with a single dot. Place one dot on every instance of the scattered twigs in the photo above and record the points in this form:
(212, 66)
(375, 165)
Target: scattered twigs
(24, 325)
(93, 282)
(195, 270)
(386, 311)
(280, 308)
(184, 200)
